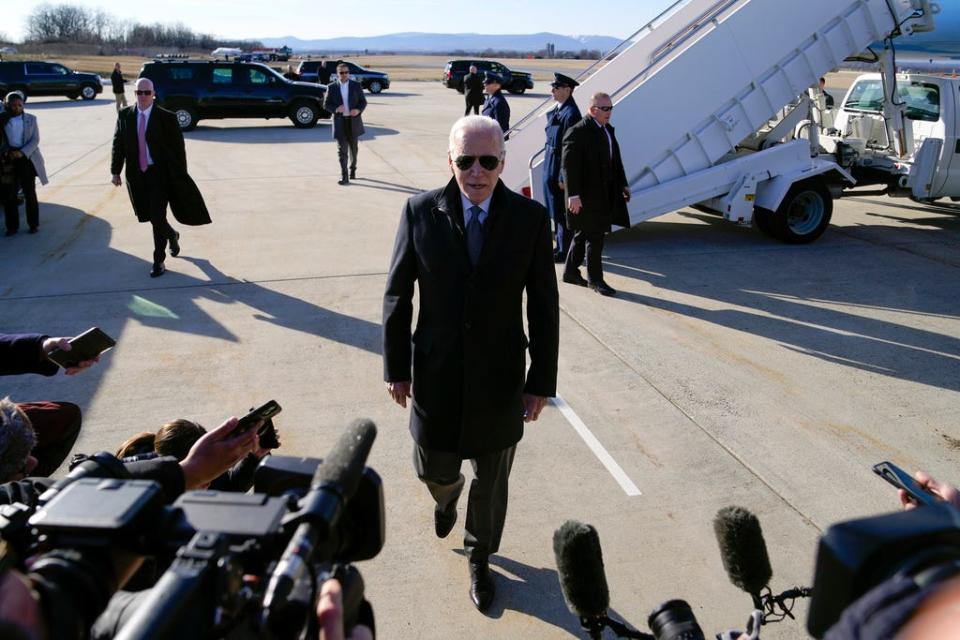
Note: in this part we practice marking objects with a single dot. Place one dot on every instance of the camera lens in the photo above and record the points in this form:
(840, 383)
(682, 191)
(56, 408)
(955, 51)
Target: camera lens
(674, 620)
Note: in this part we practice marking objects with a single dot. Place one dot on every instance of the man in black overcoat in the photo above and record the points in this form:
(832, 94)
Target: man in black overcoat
(473, 91)
(472, 248)
(345, 100)
(597, 192)
(149, 142)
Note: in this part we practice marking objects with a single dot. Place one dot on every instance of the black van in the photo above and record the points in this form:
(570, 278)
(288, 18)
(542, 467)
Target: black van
(197, 90)
(513, 81)
(38, 78)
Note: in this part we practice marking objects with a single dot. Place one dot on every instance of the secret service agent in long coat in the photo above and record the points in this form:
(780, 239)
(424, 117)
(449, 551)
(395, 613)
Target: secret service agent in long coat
(496, 106)
(559, 120)
(592, 170)
(473, 92)
(347, 128)
(468, 355)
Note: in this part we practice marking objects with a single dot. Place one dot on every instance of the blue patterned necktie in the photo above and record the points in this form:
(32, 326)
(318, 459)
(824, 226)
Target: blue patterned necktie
(474, 235)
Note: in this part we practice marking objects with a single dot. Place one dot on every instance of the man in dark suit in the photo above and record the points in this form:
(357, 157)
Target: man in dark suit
(473, 91)
(149, 141)
(472, 248)
(596, 189)
(559, 120)
(345, 101)
(496, 106)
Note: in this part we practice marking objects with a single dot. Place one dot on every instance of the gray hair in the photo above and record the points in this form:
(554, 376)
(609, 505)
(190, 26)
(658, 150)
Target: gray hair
(17, 439)
(598, 96)
(475, 124)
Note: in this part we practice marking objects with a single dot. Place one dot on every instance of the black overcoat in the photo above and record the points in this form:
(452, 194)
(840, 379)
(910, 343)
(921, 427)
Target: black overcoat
(591, 173)
(468, 351)
(165, 141)
(473, 89)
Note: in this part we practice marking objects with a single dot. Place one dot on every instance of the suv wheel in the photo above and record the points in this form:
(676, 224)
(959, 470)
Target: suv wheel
(304, 115)
(186, 117)
(517, 88)
(88, 92)
(375, 86)
(73, 96)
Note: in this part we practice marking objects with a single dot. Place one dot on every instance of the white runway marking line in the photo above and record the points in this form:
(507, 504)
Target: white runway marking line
(598, 449)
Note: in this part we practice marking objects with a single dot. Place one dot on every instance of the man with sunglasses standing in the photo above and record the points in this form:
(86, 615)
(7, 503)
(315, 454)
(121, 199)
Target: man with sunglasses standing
(473, 248)
(149, 141)
(596, 190)
(344, 99)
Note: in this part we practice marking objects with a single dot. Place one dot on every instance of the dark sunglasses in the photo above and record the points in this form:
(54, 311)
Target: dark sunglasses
(487, 162)
(144, 93)
(343, 73)
(606, 109)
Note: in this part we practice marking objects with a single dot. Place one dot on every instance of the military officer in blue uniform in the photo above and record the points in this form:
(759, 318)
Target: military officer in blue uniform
(564, 116)
(496, 106)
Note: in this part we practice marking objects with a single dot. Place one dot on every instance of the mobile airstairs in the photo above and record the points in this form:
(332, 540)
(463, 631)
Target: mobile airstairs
(706, 96)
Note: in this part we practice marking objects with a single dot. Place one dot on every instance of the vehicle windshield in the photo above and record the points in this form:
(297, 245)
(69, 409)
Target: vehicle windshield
(922, 100)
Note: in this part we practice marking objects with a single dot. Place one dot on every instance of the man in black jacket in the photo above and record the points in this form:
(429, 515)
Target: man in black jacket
(596, 190)
(149, 141)
(345, 100)
(119, 92)
(473, 248)
(473, 91)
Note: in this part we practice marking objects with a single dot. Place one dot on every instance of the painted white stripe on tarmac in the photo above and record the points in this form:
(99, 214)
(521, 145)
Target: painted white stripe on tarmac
(598, 449)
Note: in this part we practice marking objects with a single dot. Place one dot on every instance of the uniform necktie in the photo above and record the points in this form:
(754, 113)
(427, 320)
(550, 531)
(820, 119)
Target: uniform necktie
(142, 140)
(474, 235)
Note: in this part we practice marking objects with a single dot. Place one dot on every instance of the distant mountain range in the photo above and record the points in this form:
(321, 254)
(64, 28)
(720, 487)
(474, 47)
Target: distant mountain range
(446, 42)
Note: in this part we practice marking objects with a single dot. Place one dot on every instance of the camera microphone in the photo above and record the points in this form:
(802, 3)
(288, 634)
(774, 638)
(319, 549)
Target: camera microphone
(743, 551)
(582, 579)
(334, 483)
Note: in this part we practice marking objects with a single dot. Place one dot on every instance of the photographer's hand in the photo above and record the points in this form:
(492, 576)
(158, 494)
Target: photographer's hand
(216, 452)
(944, 491)
(64, 343)
(330, 615)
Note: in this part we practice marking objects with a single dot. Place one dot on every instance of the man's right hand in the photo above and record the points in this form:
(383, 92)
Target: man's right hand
(399, 391)
(115, 179)
(215, 452)
(574, 205)
(943, 490)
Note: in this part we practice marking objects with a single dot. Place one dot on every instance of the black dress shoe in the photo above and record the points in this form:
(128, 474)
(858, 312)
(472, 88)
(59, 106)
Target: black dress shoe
(32, 230)
(482, 589)
(158, 270)
(343, 181)
(559, 258)
(603, 289)
(574, 278)
(175, 244)
(353, 173)
(443, 521)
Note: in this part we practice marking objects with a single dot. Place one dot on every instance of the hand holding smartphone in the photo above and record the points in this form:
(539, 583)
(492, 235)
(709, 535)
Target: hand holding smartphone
(267, 431)
(86, 346)
(903, 480)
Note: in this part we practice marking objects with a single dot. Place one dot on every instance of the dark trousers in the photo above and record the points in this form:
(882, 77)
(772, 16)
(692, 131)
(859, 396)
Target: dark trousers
(155, 183)
(487, 500)
(347, 142)
(57, 425)
(472, 106)
(25, 178)
(562, 234)
(591, 243)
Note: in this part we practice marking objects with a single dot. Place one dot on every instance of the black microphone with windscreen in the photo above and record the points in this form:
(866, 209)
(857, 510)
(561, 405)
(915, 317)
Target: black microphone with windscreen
(576, 547)
(743, 551)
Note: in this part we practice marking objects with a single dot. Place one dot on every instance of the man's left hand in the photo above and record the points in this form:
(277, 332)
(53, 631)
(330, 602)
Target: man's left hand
(626, 194)
(354, 113)
(64, 343)
(16, 153)
(532, 406)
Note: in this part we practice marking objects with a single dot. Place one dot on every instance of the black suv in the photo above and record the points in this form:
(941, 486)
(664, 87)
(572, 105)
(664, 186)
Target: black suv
(34, 78)
(513, 81)
(325, 71)
(197, 90)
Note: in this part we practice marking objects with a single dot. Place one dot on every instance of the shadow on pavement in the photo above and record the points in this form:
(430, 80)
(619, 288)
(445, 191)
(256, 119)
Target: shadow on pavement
(272, 134)
(383, 185)
(33, 105)
(794, 294)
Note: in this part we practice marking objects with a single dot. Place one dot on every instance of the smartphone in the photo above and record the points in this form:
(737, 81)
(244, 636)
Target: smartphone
(903, 480)
(268, 436)
(264, 413)
(86, 346)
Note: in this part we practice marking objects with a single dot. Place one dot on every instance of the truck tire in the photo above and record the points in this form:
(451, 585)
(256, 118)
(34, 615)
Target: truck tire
(375, 86)
(763, 219)
(88, 92)
(304, 115)
(804, 214)
(186, 117)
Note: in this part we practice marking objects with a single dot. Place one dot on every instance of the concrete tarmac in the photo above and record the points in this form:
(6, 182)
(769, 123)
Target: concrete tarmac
(730, 369)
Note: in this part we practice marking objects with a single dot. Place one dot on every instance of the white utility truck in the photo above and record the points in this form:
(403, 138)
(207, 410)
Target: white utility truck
(708, 98)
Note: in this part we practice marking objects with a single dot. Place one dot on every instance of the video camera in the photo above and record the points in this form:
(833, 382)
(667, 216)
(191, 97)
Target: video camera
(244, 562)
(854, 557)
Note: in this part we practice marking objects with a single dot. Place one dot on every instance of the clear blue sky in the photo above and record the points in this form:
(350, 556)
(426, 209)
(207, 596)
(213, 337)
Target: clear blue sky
(276, 18)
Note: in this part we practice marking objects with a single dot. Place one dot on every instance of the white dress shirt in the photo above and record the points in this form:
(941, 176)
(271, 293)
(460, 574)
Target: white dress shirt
(345, 95)
(145, 114)
(468, 215)
(14, 131)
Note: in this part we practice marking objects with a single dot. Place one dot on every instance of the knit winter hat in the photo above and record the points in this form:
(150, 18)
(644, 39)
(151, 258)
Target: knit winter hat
(17, 439)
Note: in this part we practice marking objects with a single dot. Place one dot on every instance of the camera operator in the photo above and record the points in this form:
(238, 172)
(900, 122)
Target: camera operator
(57, 424)
(903, 607)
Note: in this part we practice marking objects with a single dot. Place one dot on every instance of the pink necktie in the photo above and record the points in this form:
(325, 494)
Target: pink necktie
(142, 140)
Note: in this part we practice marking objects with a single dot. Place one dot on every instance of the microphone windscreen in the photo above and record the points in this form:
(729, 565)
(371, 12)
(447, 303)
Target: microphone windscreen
(742, 549)
(344, 466)
(580, 567)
